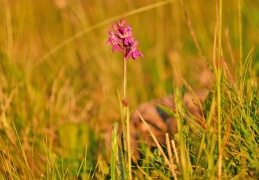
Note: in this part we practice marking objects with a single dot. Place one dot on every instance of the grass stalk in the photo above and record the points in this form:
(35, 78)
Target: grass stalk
(114, 152)
(175, 153)
(143, 172)
(28, 169)
(159, 147)
(185, 169)
(240, 34)
(189, 23)
(218, 86)
(51, 164)
(160, 45)
(81, 164)
(182, 142)
(86, 150)
(121, 163)
(169, 150)
(219, 121)
(128, 142)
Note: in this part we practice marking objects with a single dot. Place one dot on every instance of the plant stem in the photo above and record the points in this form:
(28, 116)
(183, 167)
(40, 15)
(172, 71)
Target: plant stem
(124, 99)
(128, 141)
(126, 119)
(218, 84)
(124, 78)
(114, 145)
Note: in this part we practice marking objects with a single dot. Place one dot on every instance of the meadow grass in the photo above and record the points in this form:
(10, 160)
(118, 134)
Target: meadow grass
(59, 83)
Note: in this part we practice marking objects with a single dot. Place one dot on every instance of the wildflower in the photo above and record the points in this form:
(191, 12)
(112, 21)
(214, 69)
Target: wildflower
(132, 51)
(115, 42)
(121, 40)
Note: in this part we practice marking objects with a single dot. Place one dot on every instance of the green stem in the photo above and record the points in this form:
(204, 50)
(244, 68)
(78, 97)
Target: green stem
(126, 119)
(114, 150)
(124, 99)
(128, 141)
(218, 80)
(124, 78)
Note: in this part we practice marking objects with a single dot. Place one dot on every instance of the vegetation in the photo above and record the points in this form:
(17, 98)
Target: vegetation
(59, 84)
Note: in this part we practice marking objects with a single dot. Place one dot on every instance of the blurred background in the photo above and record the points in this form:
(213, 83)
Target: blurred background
(59, 79)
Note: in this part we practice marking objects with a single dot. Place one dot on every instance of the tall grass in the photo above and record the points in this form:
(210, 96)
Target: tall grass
(58, 87)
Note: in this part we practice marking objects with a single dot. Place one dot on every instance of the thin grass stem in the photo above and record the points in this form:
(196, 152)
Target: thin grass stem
(28, 171)
(218, 84)
(175, 153)
(114, 145)
(169, 150)
(159, 147)
(189, 23)
(240, 33)
(128, 142)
